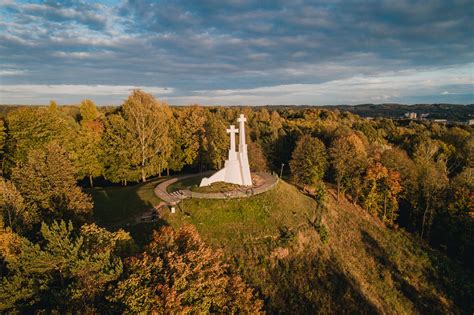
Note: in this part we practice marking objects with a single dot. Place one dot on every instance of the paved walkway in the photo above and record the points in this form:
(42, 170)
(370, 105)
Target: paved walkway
(174, 197)
(265, 183)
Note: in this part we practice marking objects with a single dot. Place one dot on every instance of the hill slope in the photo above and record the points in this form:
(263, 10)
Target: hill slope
(363, 266)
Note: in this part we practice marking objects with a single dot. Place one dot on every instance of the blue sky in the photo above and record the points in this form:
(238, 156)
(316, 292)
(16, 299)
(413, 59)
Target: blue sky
(238, 51)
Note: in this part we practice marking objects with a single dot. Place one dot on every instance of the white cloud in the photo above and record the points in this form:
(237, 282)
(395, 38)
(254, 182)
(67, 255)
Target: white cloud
(354, 90)
(41, 93)
(79, 54)
(10, 72)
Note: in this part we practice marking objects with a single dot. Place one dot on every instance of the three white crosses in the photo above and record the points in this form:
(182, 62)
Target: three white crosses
(236, 168)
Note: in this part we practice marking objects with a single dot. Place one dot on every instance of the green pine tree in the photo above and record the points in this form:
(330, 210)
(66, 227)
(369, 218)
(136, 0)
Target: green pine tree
(67, 271)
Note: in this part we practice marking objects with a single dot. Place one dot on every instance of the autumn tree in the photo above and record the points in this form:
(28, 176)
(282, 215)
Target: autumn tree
(382, 190)
(89, 111)
(308, 161)
(186, 132)
(53, 106)
(178, 273)
(117, 156)
(457, 140)
(215, 143)
(146, 119)
(3, 140)
(266, 129)
(397, 159)
(454, 223)
(373, 134)
(87, 152)
(32, 128)
(267, 126)
(432, 181)
(47, 183)
(14, 213)
(178, 156)
(348, 161)
(257, 159)
(66, 272)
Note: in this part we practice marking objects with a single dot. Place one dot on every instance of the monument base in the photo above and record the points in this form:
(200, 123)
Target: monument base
(229, 174)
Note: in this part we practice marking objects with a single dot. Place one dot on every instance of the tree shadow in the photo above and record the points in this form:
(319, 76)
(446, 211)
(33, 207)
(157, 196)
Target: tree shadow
(423, 301)
(311, 284)
(113, 206)
(142, 232)
(280, 151)
(453, 279)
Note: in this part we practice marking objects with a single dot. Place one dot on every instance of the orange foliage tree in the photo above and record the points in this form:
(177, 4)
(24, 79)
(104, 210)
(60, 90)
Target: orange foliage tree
(348, 160)
(382, 189)
(178, 273)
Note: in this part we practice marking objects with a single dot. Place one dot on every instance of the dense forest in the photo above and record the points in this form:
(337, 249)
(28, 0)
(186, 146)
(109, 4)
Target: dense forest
(451, 112)
(410, 176)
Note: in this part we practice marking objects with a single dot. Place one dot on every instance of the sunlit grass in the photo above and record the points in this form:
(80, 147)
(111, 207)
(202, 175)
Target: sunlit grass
(233, 221)
(186, 183)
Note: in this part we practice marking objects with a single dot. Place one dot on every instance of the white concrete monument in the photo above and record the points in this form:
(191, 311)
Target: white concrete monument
(236, 168)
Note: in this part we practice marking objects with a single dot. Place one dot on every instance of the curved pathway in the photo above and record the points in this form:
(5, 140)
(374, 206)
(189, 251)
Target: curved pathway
(266, 182)
(175, 197)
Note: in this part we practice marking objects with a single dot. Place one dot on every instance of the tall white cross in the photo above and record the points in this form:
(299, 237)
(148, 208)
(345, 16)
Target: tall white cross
(241, 121)
(232, 132)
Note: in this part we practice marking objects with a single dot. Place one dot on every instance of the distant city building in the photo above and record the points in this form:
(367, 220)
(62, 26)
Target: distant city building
(411, 115)
(423, 116)
(440, 121)
(470, 122)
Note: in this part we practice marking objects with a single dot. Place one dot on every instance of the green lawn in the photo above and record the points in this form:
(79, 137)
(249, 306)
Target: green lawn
(236, 221)
(186, 183)
(115, 204)
(193, 185)
(216, 187)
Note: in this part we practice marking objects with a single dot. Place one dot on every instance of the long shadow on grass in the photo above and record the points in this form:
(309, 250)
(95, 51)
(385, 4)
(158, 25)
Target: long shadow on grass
(425, 302)
(114, 207)
(454, 280)
(308, 285)
(301, 283)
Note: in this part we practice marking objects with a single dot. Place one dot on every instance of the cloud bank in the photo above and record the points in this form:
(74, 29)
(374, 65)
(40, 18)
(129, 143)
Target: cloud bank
(238, 52)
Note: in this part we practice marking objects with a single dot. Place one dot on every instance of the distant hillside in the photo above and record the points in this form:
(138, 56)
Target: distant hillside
(435, 111)
(451, 112)
(353, 264)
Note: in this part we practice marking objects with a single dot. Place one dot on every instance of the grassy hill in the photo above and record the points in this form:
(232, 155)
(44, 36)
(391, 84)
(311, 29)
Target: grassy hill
(353, 265)
(363, 267)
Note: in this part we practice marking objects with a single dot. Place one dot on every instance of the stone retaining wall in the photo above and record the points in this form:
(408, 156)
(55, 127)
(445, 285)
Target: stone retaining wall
(236, 194)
